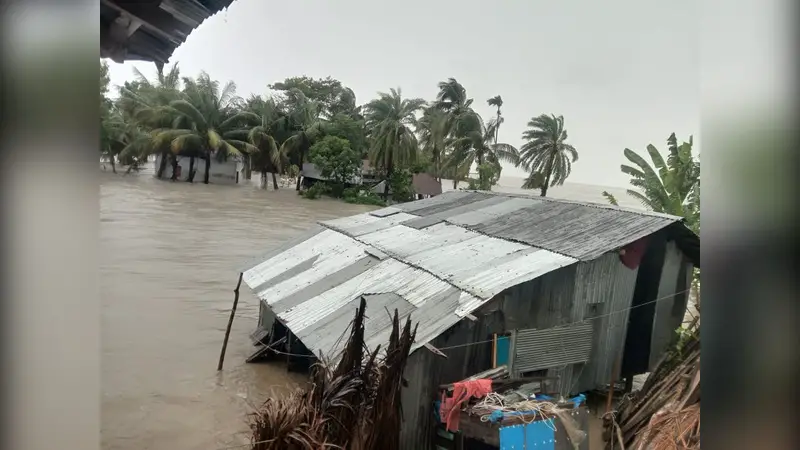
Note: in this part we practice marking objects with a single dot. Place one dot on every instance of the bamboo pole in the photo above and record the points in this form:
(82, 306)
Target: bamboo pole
(230, 323)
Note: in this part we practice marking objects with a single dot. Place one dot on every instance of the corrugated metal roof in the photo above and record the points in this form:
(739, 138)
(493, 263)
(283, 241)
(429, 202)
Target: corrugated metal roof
(473, 246)
(164, 26)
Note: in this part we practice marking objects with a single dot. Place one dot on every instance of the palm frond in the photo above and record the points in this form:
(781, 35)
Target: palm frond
(190, 111)
(610, 197)
(187, 143)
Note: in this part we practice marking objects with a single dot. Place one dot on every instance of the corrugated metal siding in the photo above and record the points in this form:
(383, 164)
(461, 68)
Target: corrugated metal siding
(664, 325)
(603, 289)
(551, 347)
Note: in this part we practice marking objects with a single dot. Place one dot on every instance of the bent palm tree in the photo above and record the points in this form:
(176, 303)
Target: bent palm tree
(262, 118)
(546, 151)
(452, 99)
(673, 187)
(391, 121)
(123, 139)
(497, 101)
(476, 146)
(433, 128)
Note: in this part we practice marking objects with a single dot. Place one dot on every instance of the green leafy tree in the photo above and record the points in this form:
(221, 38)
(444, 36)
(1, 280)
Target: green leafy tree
(350, 128)
(332, 97)
(546, 151)
(391, 121)
(336, 160)
(401, 184)
(670, 186)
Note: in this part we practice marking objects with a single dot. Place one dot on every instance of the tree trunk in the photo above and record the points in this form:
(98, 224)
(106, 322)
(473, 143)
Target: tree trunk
(113, 164)
(190, 177)
(249, 168)
(162, 165)
(389, 170)
(549, 170)
(208, 168)
(174, 160)
(497, 128)
(299, 177)
(263, 184)
(274, 180)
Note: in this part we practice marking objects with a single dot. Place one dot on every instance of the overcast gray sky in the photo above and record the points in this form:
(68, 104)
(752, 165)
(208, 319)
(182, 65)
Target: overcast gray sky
(623, 73)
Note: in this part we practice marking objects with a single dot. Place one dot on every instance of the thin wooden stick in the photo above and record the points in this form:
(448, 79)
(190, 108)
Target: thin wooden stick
(230, 322)
(611, 385)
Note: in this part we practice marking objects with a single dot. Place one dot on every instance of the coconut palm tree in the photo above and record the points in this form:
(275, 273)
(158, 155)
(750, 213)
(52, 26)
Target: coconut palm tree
(142, 93)
(146, 103)
(262, 136)
(304, 122)
(434, 131)
(672, 187)
(497, 101)
(391, 121)
(546, 150)
(452, 99)
(476, 145)
(123, 139)
(210, 121)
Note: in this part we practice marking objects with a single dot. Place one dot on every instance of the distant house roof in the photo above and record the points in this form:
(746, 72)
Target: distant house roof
(426, 184)
(421, 182)
(311, 171)
(437, 259)
(150, 30)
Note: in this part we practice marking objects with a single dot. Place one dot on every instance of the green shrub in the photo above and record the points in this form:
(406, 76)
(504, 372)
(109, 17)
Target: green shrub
(370, 199)
(314, 192)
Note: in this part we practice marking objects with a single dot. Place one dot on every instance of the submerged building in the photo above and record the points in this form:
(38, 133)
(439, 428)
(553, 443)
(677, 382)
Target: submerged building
(583, 292)
(231, 171)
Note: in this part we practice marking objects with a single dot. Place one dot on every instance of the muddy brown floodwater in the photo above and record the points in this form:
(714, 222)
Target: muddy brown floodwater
(170, 258)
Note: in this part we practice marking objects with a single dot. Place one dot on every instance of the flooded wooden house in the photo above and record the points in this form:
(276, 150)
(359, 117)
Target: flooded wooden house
(583, 293)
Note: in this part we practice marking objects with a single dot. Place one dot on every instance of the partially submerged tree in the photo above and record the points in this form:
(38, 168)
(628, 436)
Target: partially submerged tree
(211, 119)
(303, 121)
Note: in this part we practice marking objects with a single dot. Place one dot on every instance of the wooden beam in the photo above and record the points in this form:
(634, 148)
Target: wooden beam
(156, 20)
(471, 317)
(230, 322)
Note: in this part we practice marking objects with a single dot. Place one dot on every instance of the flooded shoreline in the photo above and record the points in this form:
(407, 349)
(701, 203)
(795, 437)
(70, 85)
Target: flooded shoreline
(170, 257)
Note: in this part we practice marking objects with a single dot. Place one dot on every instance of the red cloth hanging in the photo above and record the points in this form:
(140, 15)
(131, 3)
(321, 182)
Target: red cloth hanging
(450, 411)
(631, 255)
